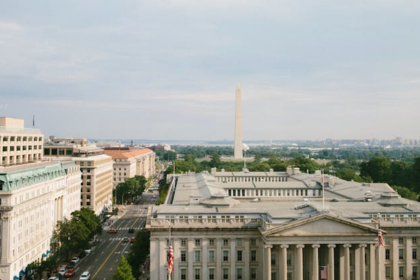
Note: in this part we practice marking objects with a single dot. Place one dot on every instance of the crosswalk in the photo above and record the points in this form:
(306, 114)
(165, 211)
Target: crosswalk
(127, 228)
(116, 239)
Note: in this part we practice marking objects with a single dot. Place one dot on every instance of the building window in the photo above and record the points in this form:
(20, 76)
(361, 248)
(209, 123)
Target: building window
(253, 273)
(225, 273)
(211, 256)
(273, 259)
(211, 242)
(197, 242)
(289, 259)
(183, 242)
(211, 273)
(238, 242)
(225, 242)
(81, 163)
(89, 163)
(401, 271)
(414, 254)
(239, 273)
(239, 255)
(183, 274)
(387, 271)
(253, 255)
(197, 274)
(253, 242)
(225, 256)
(4, 148)
(414, 240)
(415, 268)
(401, 240)
(183, 256)
(12, 148)
(401, 254)
(197, 256)
(387, 254)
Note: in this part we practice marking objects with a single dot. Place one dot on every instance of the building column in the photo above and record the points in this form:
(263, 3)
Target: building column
(299, 262)
(233, 258)
(362, 262)
(204, 258)
(267, 262)
(247, 259)
(395, 258)
(380, 268)
(162, 259)
(342, 263)
(177, 257)
(408, 273)
(331, 261)
(346, 261)
(190, 259)
(315, 262)
(219, 272)
(283, 264)
(372, 260)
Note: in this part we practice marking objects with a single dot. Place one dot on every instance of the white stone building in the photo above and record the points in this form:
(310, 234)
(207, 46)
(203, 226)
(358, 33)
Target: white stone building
(274, 225)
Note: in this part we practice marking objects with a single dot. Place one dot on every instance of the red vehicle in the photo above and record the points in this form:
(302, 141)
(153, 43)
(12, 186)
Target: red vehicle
(70, 272)
(112, 230)
(132, 240)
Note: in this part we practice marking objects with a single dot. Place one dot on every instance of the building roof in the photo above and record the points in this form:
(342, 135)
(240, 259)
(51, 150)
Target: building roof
(120, 154)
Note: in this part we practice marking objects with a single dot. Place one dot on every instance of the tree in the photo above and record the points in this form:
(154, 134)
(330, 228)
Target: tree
(215, 160)
(406, 193)
(139, 251)
(378, 168)
(89, 219)
(123, 271)
(72, 235)
(415, 171)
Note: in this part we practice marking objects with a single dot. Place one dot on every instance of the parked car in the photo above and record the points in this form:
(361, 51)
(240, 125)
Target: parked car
(85, 276)
(130, 230)
(71, 265)
(70, 272)
(53, 278)
(87, 251)
(132, 240)
(112, 230)
(75, 260)
(62, 271)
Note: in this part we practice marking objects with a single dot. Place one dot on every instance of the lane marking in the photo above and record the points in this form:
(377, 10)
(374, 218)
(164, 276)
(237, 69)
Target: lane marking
(112, 253)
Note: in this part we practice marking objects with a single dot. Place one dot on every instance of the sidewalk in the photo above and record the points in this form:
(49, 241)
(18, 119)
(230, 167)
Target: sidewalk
(108, 224)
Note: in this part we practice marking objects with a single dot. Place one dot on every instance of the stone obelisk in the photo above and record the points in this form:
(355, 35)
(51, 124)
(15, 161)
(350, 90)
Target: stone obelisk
(238, 124)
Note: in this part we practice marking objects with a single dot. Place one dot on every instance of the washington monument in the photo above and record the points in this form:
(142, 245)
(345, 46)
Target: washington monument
(238, 124)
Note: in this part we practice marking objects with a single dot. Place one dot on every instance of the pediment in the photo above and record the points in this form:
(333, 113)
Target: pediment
(322, 225)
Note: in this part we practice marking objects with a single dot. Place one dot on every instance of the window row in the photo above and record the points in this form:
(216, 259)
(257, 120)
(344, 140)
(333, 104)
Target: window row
(388, 255)
(20, 138)
(21, 148)
(212, 273)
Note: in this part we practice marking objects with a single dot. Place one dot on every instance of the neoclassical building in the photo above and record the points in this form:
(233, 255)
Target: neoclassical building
(276, 225)
(129, 162)
(34, 195)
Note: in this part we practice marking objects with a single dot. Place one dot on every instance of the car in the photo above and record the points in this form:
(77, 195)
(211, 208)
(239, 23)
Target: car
(130, 230)
(75, 260)
(125, 239)
(69, 272)
(112, 230)
(53, 278)
(85, 276)
(87, 251)
(71, 265)
(62, 271)
(132, 240)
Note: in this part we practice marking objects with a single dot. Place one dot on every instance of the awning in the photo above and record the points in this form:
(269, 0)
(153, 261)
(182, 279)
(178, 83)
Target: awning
(48, 251)
(15, 278)
(44, 255)
(22, 273)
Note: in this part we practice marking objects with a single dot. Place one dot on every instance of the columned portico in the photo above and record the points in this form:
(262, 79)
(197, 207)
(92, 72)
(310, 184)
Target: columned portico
(315, 262)
(346, 261)
(267, 261)
(331, 261)
(283, 262)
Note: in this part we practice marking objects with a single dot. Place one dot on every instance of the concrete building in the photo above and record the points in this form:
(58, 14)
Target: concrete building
(96, 167)
(274, 225)
(34, 196)
(19, 144)
(131, 162)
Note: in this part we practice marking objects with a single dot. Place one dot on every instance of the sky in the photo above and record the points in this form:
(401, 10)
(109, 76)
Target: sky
(166, 69)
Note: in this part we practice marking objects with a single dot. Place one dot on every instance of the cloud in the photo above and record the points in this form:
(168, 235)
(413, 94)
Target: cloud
(10, 26)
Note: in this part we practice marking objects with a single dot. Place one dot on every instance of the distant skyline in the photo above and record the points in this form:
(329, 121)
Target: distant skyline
(167, 69)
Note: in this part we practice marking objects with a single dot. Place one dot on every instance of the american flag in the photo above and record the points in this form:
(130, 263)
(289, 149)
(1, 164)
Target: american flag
(170, 260)
(380, 237)
(324, 272)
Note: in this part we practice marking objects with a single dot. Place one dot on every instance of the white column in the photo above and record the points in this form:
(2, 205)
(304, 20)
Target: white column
(362, 262)
(190, 259)
(267, 262)
(204, 257)
(162, 259)
(247, 259)
(395, 258)
(177, 257)
(372, 262)
(356, 261)
(283, 266)
(408, 259)
(219, 270)
(299, 262)
(315, 262)
(380, 268)
(232, 258)
(346, 261)
(331, 265)
(342, 262)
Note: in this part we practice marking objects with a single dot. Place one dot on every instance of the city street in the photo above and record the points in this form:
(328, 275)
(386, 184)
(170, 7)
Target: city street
(106, 255)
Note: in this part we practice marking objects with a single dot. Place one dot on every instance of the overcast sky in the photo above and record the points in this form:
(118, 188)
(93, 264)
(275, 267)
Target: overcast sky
(166, 69)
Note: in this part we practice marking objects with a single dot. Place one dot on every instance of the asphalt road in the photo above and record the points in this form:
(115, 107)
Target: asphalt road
(103, 261)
